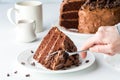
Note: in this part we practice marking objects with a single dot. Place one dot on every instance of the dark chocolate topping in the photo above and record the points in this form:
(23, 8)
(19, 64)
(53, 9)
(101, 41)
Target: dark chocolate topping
(63, 56)
(93, 4)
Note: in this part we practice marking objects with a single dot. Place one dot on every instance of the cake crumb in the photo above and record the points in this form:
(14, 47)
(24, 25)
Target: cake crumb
(32, 51)
(23, 63)
(86, 61)
(15, 72)
(33, 63)
(27, 75)
(8, 75)
(64, 69)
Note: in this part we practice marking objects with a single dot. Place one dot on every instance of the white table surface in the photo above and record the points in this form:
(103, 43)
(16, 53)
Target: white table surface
(10, 49)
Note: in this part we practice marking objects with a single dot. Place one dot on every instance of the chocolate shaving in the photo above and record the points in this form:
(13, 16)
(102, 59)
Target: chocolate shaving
(8, 75)
(33, 63)
(27, 75)
(23, 63)
(15, 72)
(93, 4)
(32, 51)
(64, 68)
(86, 61)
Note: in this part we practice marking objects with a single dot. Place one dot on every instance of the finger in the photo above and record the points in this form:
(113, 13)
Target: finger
(83, 55)
(86, 46)
(101, 29)
(101, 49)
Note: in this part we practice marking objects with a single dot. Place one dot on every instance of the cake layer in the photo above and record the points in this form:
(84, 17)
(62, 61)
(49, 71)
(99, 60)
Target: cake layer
(49, 47)
(43, 44)
(90, 21)
(68, 19)
(55, 45)
(71, 6)
(69, 24)
(69, 15)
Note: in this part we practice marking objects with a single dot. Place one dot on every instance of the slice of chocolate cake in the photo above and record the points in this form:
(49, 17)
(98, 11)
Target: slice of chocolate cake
(56, 40)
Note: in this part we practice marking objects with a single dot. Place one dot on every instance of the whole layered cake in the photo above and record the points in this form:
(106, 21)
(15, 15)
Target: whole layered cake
(54, 41)
(91, 14)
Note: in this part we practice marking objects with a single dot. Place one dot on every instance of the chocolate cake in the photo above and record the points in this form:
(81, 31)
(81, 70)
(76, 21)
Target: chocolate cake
(56, 40)
(88, 16)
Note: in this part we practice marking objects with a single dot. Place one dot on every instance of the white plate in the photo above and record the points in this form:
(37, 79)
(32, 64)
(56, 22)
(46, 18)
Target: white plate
(73, 32)
(27, 57)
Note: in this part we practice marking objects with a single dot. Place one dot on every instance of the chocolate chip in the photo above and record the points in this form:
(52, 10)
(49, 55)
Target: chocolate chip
(23, 63)
(8, 75)
(32, 51)
(77, 65)
(86, 61)
(15, 72)
(27, 75)
(64, 68)
(33, 63)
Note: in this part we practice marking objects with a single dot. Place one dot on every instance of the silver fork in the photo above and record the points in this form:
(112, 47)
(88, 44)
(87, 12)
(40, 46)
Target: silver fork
(77, 52)
(68, 53)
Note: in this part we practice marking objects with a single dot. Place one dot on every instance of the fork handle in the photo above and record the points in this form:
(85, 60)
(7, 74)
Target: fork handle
(82, 51)
(77, 52)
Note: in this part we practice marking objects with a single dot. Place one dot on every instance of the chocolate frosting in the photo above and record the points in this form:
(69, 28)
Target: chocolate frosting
(93, 4)
(91, 14)
(61, 60)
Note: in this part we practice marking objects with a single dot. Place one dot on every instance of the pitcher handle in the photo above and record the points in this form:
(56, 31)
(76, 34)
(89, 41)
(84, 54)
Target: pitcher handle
(9, 12)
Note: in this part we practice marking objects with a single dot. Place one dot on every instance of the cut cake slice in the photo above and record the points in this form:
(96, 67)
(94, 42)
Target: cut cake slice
(56, 40)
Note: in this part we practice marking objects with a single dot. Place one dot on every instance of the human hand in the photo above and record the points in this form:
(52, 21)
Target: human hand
(106, 40)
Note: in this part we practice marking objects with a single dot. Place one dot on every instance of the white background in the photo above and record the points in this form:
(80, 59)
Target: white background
(44, 1)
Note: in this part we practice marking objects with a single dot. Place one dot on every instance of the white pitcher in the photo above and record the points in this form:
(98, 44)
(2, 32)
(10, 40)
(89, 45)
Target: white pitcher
(25, 30)
(27, 10)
